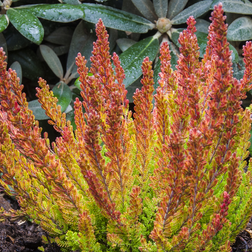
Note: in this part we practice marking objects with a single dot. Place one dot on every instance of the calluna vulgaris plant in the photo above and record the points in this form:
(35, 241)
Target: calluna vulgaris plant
(172, 179)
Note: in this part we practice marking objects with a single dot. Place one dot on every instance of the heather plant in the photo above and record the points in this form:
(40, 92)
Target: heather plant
(168, 178)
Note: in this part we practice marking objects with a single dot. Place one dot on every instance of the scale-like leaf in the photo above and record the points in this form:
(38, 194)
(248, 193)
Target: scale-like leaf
(175, 7)
(63, 13)
(161, 7)
(17, 67)
(132, 58)
(146, 8)
(52, 60)
(63, 93)
(27, 24)
(234, 6)
(82, 41)
(240, 29)
(195, 10)
(116, 19)
(4, 22)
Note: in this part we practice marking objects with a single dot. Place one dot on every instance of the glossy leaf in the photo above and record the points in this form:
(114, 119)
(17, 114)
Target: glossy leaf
(32, 67)
(4, 22)
(63, 13)
(238, 69)
(240, 29)
(61, 36)
(27, 24)
(52, 60)
(202, 25)
(132, 58)
(161, 7)
(82, 41)
(146, 8)
(73, 2)
(132, 89)
(234, 6)
(38, 112)
(116, 19)
(63, 93)
(125, 43)
(17, 67)
(175, 7)
(195, 10)
(15, 40)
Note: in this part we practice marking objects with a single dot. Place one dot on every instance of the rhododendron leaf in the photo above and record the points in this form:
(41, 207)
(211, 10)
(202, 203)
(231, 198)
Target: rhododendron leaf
(125, 43)
(17, 67)
(116, 19)
(240, 29)
(175, 7)
(27, 24)
(195, 10)
(131, 59)
(63, 93)
(38, 112)
(63, 13)
(234, 6)
(4, 22)
(146, 8)
(161, 7)
(52, 60)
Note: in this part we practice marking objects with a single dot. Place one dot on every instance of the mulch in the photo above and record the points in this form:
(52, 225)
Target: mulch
(24, 236)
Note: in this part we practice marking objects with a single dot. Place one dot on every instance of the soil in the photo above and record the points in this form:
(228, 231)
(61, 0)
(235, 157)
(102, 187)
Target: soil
(24, 236)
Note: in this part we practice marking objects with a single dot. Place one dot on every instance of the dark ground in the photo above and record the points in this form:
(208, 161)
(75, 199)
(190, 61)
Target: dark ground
(24, 236)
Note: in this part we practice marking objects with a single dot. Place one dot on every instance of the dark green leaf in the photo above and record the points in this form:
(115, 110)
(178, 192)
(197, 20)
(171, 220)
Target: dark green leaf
(38, 112)
(52, 60)
(61, 36)
(195, 10)
(31, 66)
(27, 24)
(17, 67)
(161, 7)
(175, 36)
(82, 41)
(146, 9)
(14, 40)
(63, 93)
(202, 25)
(116, 19)
(4, 22)
(3, 43)
(175, 7)
(132, 89)
(238, 69)
(73, 2)
(132, 58)
(240, 29)
(234, 6)
(125, 43)
(63, 13)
